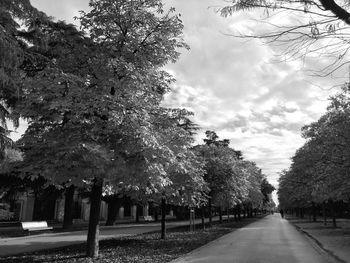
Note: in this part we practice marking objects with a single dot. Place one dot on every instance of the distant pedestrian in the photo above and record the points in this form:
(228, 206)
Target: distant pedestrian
(282, 213)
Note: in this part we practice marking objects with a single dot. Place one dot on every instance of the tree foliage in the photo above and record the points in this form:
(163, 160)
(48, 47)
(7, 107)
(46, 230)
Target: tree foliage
(13, 52)
(92, 100)
(231, 179)
(319, 172)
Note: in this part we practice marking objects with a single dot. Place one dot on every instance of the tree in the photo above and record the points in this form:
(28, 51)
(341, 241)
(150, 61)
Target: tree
(225, 172)
(295, 185)
(258, 188)
(91, 105)
(318, 174)
(177, 171)
(266, 189)
(13, 54)
(314, 28)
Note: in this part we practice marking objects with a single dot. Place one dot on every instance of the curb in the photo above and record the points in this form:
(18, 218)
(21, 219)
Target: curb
(319, 246)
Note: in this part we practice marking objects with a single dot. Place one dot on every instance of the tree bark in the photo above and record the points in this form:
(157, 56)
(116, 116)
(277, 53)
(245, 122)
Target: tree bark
(92, 247)
(301, 212)
(324, 213)
(163, 230)
(337, 10)
(239, 212)
(156, 210)
(68, 207)
(210, 213)
(203, 217)
(220, 215)
(332, 207)
(113, 208)
(137, 219)
(314, 216)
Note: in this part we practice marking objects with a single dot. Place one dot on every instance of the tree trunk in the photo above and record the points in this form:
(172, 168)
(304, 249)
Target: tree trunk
(113, 208)
(332, 206)
(220, 215)
(68, 207)
(228, 214)
(163, 218)
(95, 207)
(137, 220)
(324, 213)
(210, 213)
(239, 213)
(156, 210)
(309, 213)
(314, 216)
(203, 217)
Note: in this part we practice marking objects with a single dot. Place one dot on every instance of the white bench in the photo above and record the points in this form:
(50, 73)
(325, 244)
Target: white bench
(35, 226)
(148, 218)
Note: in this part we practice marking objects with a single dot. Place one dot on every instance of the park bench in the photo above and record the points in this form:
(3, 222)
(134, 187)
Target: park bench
(148, 218)
(35, 226)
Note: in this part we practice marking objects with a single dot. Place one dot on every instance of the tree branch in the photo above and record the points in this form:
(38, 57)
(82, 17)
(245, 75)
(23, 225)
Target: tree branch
(337, 10)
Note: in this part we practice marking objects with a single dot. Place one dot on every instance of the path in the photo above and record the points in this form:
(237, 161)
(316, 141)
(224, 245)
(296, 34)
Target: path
(18, 245)
(271, 240)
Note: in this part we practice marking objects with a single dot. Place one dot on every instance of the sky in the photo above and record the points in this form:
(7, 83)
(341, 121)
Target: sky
(243, 90)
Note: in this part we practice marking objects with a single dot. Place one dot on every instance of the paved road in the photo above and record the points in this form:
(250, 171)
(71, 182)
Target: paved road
(271, 240)
(17, 245)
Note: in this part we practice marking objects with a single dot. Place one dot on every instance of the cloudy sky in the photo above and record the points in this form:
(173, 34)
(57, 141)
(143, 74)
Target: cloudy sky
(238, 88)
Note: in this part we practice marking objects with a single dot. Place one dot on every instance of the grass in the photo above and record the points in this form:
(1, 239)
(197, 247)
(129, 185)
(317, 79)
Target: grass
(141, 248)
(334, 240)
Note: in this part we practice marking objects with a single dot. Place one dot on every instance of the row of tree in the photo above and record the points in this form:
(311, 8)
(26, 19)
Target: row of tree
(232, 181)
(92, 99)
(319, 175)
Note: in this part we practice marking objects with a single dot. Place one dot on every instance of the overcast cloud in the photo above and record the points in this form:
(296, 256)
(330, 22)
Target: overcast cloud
(235, 87)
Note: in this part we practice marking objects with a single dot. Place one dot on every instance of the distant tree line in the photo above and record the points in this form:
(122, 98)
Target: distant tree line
(318, 179)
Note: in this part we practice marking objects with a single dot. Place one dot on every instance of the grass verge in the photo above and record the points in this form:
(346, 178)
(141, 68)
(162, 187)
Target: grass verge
(140, 248)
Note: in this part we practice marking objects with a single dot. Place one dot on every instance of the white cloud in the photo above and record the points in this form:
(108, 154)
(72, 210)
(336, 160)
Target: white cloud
(16, 133)
(238, 88)
(258, 103)
(62, 10)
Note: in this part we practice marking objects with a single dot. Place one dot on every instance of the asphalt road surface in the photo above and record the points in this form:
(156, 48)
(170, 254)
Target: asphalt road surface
(271, 240)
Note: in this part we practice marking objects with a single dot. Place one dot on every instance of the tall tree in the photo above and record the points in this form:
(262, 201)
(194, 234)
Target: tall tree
(318, 173)
(223, 172)
(13, 53)
(91, 105)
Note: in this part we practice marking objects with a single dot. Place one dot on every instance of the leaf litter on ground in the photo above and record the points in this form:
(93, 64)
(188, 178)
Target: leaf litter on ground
(143, 248)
